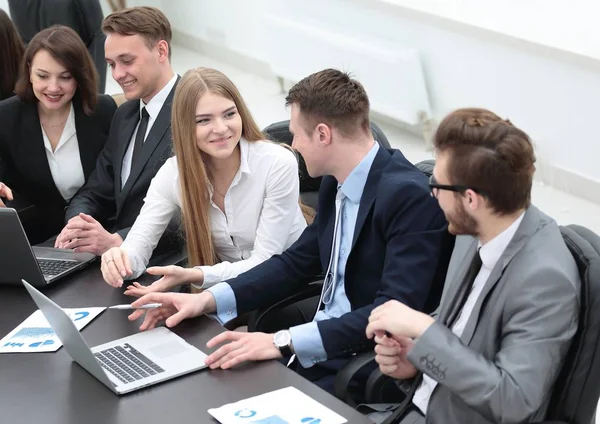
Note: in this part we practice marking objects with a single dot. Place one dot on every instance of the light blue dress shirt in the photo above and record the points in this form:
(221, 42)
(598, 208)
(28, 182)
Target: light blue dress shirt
(306, 338)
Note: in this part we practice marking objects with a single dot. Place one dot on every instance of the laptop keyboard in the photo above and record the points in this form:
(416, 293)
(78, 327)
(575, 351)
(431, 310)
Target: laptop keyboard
(50, 267)
(126, 363)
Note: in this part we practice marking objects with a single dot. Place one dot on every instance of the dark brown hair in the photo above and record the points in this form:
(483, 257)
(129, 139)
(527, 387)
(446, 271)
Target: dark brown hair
(334, 98)
(11, 49)
(490, 155)
(65, 46)
(148, 22)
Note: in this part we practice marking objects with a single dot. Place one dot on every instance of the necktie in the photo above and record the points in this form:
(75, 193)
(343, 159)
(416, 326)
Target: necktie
(465, 288)
(139, 137)
(331, 276)
(332, 270)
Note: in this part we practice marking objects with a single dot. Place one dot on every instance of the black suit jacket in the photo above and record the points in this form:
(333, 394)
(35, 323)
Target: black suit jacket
(24, 165)
(398, 239)
(102, 196)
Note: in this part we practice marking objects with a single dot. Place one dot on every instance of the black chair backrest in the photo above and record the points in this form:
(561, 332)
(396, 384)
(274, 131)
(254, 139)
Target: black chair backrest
(576, 392)
(280, 132)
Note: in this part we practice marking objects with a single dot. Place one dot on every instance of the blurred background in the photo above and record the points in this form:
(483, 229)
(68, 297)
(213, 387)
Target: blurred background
(535, 62)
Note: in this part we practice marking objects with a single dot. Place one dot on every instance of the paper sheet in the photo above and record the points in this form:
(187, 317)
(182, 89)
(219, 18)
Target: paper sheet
(284, 406)
(35, 334)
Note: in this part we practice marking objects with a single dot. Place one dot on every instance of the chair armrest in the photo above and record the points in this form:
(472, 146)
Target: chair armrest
(311, 290)
(347, 373)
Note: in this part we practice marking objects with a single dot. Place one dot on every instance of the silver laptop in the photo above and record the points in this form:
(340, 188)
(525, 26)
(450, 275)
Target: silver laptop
(126, 364)
(38, 265)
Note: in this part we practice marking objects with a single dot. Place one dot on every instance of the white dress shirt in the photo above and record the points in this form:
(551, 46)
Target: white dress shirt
(490, 254)
(64, 161)
(153, 108)
(262, 215)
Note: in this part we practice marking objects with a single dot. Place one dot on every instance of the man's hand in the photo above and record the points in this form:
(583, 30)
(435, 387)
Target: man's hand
(391, 356)
(399, 320)
(84, 234)
(242, 347)
(115, 266)
(5, 192)
(173, 276)
(175, 308)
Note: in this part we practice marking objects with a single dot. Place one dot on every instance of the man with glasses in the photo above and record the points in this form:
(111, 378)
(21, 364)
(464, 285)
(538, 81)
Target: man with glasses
(494, 347)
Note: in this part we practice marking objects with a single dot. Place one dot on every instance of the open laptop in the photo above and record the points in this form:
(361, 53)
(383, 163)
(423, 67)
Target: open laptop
(126, 364)
(39, 265)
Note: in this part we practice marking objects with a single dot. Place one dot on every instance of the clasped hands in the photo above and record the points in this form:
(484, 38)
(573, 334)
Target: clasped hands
(394, 326)
(84, 234)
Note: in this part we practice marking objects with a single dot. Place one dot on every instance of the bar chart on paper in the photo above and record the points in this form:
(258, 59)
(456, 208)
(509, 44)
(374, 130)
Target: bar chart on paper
(35, 334)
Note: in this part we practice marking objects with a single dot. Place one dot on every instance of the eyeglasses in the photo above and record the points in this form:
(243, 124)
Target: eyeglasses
(435, 188)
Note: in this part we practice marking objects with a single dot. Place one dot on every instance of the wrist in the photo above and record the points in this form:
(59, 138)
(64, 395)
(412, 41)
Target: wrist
(194, 276)
(117, 240)
(423, 322)
(208, 302)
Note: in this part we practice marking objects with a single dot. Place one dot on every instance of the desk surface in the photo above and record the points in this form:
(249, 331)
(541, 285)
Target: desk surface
(50, 388)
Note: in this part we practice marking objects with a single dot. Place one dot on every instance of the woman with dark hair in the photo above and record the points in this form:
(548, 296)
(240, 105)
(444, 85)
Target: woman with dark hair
(11, 52)
(53, 130)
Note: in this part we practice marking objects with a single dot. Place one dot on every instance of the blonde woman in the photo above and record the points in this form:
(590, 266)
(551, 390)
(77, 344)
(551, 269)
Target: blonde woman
(238, 193)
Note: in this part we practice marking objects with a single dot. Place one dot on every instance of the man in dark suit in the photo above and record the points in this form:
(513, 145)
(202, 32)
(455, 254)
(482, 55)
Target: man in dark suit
(139, 141)
(85, 17)
(378, 235)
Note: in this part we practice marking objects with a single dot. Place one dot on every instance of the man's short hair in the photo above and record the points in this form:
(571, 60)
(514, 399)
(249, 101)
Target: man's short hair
(148, 22)
(490, 155)
(334, 98)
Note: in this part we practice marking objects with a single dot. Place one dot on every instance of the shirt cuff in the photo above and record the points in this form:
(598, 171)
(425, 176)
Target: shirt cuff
(210, 278)
(308, 344)
(225, 300)
(137, 268)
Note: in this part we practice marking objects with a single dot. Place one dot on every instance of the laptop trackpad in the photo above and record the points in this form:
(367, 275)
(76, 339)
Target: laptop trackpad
(166, 350)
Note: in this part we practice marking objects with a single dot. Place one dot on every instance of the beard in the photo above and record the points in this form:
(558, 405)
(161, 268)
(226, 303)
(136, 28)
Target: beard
(461, 223)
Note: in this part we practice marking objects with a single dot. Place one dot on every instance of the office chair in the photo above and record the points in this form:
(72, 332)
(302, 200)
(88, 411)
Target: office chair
(576, 392)
(309, 186)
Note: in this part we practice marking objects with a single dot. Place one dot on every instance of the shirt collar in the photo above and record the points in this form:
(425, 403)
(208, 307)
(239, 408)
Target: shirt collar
(156, 103)
(68, 131)
(244, 167)
(491, 251)
(355, 183)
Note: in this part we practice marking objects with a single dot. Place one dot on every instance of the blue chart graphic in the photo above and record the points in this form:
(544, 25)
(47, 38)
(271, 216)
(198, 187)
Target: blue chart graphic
(32, 336)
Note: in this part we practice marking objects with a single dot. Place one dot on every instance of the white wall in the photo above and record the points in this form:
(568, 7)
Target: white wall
(552, 96)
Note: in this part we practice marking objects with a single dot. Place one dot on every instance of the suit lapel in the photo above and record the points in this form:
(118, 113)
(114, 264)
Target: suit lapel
(329, 184)
(85, 129)
(455, 290)
(130, 121)
(32, 146)
(370, 191)
(159, 127)
(526, 230)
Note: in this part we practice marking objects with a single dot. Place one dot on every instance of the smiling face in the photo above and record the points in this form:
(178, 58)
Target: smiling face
(53, 85)
(136, 67)
(218, 126)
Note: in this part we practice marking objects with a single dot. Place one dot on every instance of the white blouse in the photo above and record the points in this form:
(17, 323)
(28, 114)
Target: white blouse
(65, 162)
(262, 215)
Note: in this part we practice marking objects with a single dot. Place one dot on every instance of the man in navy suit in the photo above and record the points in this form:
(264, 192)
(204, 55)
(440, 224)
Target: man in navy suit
(378, 235)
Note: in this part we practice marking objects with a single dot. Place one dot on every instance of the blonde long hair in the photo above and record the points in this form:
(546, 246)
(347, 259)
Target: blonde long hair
(193, 177)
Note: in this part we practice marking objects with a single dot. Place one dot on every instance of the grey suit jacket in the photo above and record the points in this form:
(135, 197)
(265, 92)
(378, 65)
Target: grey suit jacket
(503, 367)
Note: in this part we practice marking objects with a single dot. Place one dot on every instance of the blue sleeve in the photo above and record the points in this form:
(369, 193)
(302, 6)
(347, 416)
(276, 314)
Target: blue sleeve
(226, 305)
(308, 344)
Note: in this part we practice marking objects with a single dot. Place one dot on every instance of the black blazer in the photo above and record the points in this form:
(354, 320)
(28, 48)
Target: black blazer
(399, 236)
(24, 165)
(102, 196)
